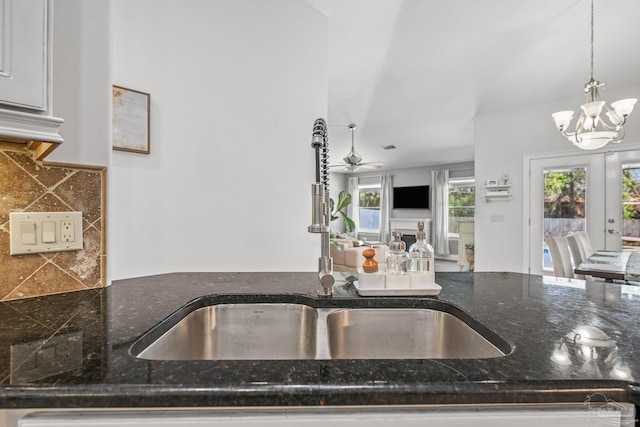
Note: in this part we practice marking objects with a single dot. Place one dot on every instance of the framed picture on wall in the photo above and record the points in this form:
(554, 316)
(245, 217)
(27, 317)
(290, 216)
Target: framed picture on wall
(131, 120)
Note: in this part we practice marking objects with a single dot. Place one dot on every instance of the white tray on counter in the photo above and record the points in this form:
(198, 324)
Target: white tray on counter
(387, 292)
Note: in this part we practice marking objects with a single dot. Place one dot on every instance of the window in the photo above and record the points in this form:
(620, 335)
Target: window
(369, 208)
(462, 201)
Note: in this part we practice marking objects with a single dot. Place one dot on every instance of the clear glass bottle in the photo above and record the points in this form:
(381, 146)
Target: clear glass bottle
(421, 260)
(421, 257)
(397, 255)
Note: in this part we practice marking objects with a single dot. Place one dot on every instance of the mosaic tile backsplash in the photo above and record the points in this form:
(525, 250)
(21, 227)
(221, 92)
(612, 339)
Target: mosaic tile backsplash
(26, 185)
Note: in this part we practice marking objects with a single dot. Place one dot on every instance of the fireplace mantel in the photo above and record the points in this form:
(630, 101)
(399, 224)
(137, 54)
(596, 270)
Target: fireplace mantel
(409, 226)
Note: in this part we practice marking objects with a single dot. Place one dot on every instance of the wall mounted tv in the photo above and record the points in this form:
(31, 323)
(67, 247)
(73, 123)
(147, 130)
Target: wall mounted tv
(416, 197)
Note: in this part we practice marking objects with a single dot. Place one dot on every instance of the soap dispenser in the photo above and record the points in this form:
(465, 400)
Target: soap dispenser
(397, 276)
(421, 260)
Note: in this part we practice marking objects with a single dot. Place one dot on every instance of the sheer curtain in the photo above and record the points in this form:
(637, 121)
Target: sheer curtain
(386, 187)
(440, 180)
(352, 209)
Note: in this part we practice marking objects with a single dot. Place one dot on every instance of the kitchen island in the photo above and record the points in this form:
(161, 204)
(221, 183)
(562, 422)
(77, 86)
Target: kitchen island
(85, 338)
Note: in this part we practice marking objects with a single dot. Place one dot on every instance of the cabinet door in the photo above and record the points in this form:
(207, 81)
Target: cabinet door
(24, 53)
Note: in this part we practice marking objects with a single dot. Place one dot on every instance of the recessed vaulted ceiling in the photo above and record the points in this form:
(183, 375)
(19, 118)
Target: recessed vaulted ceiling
(416, 73)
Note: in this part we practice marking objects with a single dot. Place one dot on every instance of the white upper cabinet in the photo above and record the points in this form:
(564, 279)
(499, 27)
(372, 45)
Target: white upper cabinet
(23, 59)
(25, 75)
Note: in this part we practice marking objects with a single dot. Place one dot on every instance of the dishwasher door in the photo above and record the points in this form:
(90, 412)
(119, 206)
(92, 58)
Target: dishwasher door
(621, 414)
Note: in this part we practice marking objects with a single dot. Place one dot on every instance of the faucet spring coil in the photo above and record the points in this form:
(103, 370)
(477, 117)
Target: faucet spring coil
(324, 167)
(319, 137)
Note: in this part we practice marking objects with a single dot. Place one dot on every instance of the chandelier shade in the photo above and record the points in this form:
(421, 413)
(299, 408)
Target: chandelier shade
(598, 124)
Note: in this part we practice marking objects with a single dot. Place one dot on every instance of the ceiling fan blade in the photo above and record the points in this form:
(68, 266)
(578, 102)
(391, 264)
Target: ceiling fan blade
(371, 165)
(346, 167)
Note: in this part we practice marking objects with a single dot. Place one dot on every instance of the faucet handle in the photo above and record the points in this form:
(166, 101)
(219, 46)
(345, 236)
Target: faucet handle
(326, 282)
(325, 276)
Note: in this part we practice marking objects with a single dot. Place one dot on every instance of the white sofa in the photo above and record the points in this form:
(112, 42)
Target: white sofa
(348, 257)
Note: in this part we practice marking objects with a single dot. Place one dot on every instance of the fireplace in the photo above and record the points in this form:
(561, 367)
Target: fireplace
(408, 239)
(409, 228)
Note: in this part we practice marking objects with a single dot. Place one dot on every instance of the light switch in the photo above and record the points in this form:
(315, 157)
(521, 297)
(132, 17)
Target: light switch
(497, 218)
(28, 232)
(48, 232)
(39, 232)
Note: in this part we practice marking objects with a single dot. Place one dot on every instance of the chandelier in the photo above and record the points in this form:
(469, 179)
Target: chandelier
(594, 129)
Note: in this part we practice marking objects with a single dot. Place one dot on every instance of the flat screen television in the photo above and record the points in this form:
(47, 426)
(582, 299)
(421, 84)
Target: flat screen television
(415, 197)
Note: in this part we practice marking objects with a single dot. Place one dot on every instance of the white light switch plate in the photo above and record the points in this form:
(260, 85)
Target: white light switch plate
(54, 232)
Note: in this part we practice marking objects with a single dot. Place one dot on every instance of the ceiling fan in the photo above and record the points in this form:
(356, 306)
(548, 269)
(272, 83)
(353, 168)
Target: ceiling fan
(353, 160)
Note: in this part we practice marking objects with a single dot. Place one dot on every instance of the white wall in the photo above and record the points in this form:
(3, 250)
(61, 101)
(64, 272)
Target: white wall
(82, 80)
(503, 139)
(235, 88)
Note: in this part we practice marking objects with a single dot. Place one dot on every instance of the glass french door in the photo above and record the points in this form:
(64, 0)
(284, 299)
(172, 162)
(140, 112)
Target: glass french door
(597, 192)
(622, 231)
(566, 194)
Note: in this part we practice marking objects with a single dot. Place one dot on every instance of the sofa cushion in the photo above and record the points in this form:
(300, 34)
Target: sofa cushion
(347, 242)
(337, 253)
(354, 259)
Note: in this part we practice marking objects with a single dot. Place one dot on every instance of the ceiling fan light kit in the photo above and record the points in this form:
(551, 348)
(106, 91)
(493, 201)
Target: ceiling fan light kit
(353, 160)
(594, 129)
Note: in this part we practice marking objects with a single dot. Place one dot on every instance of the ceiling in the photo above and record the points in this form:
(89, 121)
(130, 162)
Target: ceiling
(416, 73)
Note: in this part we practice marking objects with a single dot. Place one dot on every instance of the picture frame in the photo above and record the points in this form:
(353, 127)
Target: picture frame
(492, 182)
(131, 121)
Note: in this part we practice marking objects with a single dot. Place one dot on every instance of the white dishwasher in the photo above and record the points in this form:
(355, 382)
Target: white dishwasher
(618, 414)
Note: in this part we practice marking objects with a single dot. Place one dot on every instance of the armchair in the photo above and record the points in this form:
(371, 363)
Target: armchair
(349, 257)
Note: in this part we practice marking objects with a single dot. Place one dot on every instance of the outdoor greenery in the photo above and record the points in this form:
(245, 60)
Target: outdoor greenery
(630, 196)
(462, 200)
(369, 199)
(564, 194)
(369, 210)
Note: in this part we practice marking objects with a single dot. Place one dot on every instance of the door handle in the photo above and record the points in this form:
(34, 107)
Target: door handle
(612, 231)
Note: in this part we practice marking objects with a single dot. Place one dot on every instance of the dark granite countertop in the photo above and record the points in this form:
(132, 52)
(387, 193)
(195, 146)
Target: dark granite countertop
(92, 332)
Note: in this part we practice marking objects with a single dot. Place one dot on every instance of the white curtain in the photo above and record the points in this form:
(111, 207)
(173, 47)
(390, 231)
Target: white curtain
(440, 213)
(352, 209)
(386, 187)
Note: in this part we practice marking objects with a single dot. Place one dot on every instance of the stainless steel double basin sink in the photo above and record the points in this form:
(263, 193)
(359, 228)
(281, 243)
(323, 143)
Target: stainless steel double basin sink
(289, 330)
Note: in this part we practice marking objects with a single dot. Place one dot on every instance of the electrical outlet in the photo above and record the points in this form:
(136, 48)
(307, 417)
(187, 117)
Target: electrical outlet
(37, 232)
(66, 231)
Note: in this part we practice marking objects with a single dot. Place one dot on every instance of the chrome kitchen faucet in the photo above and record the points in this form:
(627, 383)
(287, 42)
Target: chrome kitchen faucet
(320, 207)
